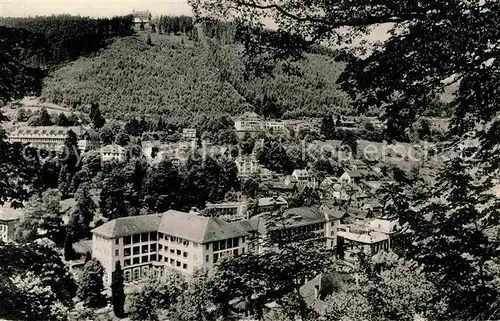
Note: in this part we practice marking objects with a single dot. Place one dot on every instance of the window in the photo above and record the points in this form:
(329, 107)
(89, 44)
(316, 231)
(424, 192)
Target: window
(136, 260)
(160, 258)
(229, 243)
(178, 263)
(137, 250)
(117, 252)
(216, 257)
(126, 252)
(136, 274)
(145, 259)
(242, 250)
(207, 246)
(178, 252)
(117, 241)
(145, 249)
(152, 236)
(136, 238)
(171, 238)
(207, 258)
(153, 247)
(160, 235)
(235, 252)
(160, 247)
(144, 237)
(127, 240)
(216, 246)
(184, 266)
(172, 261)
(235, 241)
(172, 251)
(152, 257)
(126, 262)
(222, 245)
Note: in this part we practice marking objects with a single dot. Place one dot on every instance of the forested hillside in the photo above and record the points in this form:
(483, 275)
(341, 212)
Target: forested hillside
(64, 37)
(182, 76)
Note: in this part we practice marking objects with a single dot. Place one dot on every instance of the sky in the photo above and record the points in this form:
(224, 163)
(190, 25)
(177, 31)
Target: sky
(93, 8)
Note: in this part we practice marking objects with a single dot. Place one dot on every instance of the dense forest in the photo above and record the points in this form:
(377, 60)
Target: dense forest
(64, 37)
(182, 77)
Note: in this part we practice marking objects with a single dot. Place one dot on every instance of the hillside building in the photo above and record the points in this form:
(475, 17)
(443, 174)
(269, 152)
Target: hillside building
(113, 152)
(253, 123)
(155, 243)
(189, 134)
(8, 218)
(142, 17)
(53, 137)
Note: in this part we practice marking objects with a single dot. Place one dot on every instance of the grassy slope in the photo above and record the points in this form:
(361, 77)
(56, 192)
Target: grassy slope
(176, 77)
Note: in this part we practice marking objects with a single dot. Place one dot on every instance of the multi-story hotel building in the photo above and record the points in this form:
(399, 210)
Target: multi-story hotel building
(53, 137)
(174, 240)
(251, 122)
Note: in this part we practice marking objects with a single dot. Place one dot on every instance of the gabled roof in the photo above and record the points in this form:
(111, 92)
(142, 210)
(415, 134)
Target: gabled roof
(8, 213)
(112, 148)
(188, 226)
(354, 174)
(298, 217)
(198, 228)
(267, 201)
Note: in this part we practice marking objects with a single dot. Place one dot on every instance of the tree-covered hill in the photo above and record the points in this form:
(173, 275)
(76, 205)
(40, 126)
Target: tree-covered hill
(181, 76)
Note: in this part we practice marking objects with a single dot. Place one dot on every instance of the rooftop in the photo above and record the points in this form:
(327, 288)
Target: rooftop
(188, 226)
(8, 213)
(268, 201)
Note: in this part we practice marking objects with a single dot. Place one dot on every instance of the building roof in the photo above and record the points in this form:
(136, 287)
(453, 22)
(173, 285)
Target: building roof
(199, 229)
(354, 174)
(188, 226)
(8, 213)
(83, 247)
(268, 201)
(125, 226)
(145, 15)
(298, 217)
(113, 148)
(54, 131)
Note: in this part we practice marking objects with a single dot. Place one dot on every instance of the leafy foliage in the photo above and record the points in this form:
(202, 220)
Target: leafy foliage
(91, 286)
(35, 283)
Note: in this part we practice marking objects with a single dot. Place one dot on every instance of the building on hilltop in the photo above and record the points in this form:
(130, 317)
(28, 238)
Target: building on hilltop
(53, 137)
(252, 123)
(184, 242)
(142, 17)
(8, 218)
(189, 134)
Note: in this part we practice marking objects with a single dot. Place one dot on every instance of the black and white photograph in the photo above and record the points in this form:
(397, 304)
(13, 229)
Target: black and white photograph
(249, 160)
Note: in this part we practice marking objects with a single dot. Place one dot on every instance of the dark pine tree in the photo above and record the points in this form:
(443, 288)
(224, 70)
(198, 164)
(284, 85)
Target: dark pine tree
(117, 291)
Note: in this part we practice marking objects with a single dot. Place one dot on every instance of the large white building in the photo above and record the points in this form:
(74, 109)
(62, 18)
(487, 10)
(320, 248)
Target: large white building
(113, 152)
(251, 122)
(174, 240)
(53, 137)
(187, 242)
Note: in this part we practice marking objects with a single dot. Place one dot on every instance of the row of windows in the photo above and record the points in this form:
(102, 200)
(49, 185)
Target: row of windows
(226, 244)
(3, 227)
(138, 238)
(217, 256)
(140, 259)
(136, 250)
